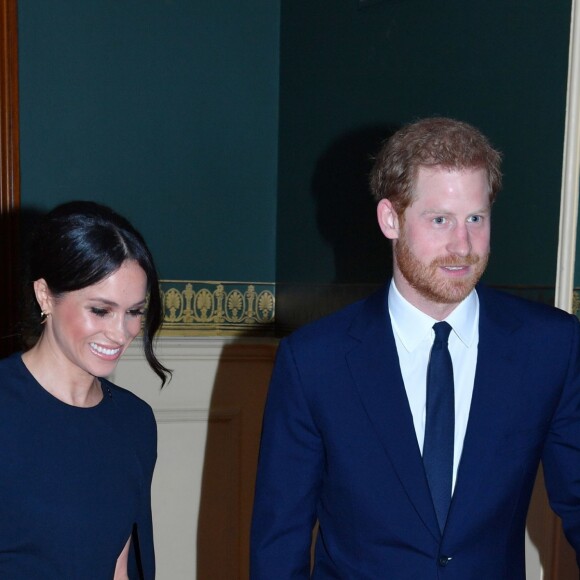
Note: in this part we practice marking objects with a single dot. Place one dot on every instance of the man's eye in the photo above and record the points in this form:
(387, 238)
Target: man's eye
(99, 311)
(474, 219)
(439, 220)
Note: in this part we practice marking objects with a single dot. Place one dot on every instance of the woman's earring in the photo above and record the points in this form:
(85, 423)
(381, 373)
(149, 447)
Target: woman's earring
(44, 316)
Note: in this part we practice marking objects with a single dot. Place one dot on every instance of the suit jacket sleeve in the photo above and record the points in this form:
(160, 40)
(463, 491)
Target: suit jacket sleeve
(288, 479)
(561, 456)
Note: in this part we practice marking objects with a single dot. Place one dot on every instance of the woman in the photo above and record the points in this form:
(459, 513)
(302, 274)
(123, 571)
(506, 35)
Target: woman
(77, 452)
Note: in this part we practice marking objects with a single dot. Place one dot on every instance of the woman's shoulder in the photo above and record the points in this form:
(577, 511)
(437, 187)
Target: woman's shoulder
(135, 418)
(128, 401)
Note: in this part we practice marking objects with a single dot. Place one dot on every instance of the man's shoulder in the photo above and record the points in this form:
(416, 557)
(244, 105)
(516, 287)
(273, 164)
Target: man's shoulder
(508, 304)
(338, 325)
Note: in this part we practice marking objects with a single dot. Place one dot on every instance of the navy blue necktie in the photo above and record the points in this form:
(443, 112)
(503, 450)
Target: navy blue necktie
(440, 423)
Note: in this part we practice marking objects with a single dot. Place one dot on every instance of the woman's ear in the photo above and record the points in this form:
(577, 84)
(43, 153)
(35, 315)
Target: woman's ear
(388, 219)
(43, 295)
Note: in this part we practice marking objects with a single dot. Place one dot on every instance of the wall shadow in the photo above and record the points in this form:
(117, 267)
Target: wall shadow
(346, 220)
(9, 282)
(345, 209)
(231, 458)
(15, 234)
(557, 558)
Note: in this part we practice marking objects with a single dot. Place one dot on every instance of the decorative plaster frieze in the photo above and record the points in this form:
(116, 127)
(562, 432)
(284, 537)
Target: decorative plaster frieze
(200, 308)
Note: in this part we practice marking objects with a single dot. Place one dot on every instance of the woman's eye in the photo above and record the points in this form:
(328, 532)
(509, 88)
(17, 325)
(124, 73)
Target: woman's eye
(137, 312)
(99, 311)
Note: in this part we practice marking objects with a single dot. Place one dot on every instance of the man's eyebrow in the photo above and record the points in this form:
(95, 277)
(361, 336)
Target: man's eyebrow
(430, 211)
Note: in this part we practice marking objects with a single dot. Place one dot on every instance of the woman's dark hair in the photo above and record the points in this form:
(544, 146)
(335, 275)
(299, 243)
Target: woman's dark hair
(80, 243)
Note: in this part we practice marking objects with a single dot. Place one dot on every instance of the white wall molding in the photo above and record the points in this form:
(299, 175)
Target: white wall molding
(182, 415)
(193, 415)
(172, 348)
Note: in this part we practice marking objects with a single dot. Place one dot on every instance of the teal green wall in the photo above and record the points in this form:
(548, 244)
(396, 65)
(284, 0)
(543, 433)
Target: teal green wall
(350, 76)
(167, 110)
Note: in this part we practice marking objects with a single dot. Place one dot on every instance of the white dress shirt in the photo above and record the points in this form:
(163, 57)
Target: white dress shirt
(414, 337)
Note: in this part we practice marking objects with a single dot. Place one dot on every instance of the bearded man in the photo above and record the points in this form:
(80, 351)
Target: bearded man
(410, 425)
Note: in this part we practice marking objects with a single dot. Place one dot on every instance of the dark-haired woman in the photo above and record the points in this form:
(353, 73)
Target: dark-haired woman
(77, 452)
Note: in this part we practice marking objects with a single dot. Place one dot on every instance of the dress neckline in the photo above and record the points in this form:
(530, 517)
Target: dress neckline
(42, 392)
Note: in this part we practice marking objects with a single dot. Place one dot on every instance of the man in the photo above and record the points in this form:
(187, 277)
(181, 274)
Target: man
(417, 452)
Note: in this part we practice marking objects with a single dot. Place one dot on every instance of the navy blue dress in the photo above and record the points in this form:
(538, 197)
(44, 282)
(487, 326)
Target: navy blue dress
(75, 482)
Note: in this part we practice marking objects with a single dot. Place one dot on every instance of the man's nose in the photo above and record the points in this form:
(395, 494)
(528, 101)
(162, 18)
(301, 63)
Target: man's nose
(460, 242)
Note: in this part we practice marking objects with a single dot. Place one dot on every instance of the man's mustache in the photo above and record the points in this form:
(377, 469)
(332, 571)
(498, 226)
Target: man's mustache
(469, 260)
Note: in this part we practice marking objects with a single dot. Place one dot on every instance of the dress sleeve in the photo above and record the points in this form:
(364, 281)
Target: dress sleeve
(142, 554)
(288, 479)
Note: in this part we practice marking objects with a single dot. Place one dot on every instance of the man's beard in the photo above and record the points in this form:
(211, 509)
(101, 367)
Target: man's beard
(430, 283)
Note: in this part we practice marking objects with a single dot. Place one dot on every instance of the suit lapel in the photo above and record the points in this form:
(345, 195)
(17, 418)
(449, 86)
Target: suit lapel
(498, 367)
(374, 365)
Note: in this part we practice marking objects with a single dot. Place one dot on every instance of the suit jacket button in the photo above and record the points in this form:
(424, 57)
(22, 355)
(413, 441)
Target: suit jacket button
(444, 560)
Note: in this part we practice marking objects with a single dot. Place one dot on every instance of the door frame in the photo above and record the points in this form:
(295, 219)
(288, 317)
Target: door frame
(9, 176)
(570, 172)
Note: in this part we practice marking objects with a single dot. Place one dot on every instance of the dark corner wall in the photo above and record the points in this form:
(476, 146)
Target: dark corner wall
(237, 136)
(352, 72)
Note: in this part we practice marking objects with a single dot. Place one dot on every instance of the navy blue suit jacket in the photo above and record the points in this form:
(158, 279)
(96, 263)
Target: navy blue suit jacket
(339, 446)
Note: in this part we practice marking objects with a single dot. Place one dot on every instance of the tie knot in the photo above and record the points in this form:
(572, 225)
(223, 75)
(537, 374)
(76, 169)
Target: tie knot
(442, 330)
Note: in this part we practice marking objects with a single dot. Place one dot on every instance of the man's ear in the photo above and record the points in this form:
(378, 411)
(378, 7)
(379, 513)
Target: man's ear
(388, 219)
(43, 295)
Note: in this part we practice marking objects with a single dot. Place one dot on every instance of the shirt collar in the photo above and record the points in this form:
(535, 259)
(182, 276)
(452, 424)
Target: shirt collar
(413, 326)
